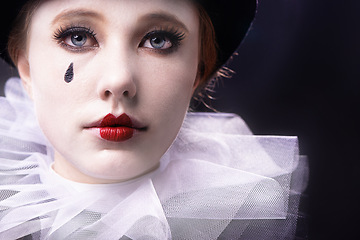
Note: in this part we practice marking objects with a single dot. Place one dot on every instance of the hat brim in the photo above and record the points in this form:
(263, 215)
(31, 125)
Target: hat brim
(232, 20)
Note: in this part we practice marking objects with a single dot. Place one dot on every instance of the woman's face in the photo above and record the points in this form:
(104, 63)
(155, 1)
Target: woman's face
(133, 57)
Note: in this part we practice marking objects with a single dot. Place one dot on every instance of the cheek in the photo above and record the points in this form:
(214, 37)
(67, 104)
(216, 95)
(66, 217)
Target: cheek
(170, 82)
(55, 80)
(167, 94)
(52, 97)
(48, 86)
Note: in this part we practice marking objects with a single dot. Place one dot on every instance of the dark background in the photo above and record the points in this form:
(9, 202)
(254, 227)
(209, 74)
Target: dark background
(298, 73)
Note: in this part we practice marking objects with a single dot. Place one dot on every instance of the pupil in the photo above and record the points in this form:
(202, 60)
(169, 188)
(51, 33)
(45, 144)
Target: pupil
(157, 40)
(78, 38)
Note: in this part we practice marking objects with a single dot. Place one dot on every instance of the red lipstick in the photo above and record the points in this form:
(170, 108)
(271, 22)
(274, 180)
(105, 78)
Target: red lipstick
(116, 129)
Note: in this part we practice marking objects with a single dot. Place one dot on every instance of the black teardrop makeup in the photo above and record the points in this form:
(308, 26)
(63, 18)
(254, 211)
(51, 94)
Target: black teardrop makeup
(69, 74)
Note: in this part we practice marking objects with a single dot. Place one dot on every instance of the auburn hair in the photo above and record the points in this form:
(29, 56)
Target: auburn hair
(207, 66)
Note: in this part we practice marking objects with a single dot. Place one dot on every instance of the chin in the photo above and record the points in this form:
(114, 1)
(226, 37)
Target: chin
(117, 168)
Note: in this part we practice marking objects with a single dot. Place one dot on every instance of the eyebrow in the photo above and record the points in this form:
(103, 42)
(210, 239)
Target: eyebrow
(163, 17)
(76, 13)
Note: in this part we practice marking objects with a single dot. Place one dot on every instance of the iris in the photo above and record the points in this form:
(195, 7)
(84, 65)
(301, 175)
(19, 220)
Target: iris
(158, 42)
(79, 39)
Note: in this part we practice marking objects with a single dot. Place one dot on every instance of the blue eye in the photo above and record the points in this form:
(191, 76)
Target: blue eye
(76, 38)
(162, 41)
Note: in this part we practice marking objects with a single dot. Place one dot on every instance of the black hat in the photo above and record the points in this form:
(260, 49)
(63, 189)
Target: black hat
(231, 20)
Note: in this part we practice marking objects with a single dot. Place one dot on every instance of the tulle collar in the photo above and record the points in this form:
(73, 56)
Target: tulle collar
(216, 180)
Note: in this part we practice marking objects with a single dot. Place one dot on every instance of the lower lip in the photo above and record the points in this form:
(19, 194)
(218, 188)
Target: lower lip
(116, 134)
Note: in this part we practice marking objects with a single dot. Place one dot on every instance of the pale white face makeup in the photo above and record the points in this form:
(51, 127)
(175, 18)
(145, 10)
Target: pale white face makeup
(137, 57)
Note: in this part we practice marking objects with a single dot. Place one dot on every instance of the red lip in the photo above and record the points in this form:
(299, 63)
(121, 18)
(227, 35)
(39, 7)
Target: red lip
(116, 129)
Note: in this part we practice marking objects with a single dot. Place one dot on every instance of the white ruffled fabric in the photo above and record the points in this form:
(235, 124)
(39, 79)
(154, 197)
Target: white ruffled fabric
(217, 181)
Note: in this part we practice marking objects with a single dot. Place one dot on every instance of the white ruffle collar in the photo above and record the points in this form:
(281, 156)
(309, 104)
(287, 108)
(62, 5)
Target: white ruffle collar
(217, 180)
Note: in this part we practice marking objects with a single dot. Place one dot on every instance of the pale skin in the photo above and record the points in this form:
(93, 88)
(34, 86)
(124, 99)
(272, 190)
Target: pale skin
(117, 69)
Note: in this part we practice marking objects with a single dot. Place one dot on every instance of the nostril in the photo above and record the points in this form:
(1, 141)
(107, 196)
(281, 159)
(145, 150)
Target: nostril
(107, 93)
(126, 93)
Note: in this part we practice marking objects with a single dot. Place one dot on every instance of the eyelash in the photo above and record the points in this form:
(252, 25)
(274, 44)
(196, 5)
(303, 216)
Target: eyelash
(62, 33)
(173, 35)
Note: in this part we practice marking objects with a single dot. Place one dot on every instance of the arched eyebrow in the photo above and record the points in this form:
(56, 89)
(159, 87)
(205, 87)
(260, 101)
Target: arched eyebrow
(149, 18)
(76, 13)
(163, 17)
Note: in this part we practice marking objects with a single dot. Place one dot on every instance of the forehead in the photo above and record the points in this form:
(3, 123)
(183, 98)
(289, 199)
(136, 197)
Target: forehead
(118, 11)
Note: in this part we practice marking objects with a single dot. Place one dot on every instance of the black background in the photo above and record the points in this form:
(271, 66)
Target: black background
(298, 73)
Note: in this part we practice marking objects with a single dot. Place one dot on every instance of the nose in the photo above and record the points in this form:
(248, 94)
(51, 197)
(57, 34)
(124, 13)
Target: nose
(117, 79)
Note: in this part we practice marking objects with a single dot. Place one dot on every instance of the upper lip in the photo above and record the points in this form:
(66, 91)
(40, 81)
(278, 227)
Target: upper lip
(121, 121)
(111, 121)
